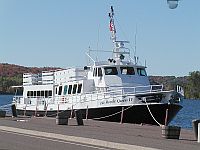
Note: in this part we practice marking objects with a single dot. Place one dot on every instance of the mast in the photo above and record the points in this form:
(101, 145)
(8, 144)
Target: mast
(118, 55)
(112, 25)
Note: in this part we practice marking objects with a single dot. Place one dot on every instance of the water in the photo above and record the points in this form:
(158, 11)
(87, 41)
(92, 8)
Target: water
(189, 112)
(4, 100)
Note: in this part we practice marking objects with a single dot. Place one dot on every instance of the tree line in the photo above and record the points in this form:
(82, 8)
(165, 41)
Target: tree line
(11, 75)
(190, 84)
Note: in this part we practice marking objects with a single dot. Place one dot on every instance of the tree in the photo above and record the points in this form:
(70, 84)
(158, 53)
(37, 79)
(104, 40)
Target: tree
(193, 86)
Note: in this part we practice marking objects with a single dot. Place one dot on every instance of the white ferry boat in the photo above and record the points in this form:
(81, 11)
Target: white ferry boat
(117, 89)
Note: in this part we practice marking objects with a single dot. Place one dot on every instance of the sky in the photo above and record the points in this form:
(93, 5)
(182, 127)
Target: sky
(58, 33)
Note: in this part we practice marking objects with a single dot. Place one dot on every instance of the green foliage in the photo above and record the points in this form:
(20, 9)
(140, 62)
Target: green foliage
(193, 86)
(11, 75)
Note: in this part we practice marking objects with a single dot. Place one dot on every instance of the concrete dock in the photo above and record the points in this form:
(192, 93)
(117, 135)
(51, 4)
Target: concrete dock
(43, 133)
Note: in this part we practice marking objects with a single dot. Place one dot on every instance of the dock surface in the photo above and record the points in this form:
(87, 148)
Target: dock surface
(43, 133)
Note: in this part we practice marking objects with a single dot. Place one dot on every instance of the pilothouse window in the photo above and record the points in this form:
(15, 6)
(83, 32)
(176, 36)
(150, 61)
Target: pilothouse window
(141, 72)
(60, 90)
(127, 70)
(79, 88)
(74, 89)
(70, 89)
(99, 72)
(110, 71)
(65, 90)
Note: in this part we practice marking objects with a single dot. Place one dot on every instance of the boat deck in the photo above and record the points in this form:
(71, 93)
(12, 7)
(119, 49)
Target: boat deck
(43, 133)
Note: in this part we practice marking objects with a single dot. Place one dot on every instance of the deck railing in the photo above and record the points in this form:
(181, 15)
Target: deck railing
(110, 93)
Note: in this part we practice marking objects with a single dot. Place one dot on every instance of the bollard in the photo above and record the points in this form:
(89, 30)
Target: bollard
(195, 127)
(198, 132)
(61, 121)
(79, 117)
(171, 132)
(2, 113)
(14, 111)
(62, 118)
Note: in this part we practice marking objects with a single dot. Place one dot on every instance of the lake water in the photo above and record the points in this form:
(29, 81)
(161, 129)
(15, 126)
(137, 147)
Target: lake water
(190, 111)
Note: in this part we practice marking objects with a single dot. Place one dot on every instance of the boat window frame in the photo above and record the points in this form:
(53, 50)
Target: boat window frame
(60, 90)
(113, 72)
(42, 93)
(50, 93)
(127, 70)
(100, 73)
(28, 93)
(31, 93)
(96, 72)
(70, 89)
(65, 90)
(140, 73)
(34, 93)
(74, 89)
(46, 94)
(38, 93)
(79, 89)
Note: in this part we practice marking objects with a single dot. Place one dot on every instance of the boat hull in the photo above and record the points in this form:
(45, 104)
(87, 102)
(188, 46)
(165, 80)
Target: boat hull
(132, 114)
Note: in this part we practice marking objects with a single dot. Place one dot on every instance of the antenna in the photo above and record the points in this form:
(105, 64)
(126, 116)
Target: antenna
(98, 42)
(135, 41)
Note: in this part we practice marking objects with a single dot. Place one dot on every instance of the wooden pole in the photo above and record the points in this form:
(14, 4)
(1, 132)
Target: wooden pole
(122, 115)
(25, 111)
(86, 117)
(166, 116)
(58, 110)
(71, 115)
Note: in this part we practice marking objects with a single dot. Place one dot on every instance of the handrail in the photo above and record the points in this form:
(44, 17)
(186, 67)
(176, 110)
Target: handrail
(88, 97)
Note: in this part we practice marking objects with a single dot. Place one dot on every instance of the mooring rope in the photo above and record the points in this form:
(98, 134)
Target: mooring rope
(151, 113)
(112, 114)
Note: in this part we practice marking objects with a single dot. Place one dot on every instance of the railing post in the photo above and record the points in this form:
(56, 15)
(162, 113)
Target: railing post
(151, 88)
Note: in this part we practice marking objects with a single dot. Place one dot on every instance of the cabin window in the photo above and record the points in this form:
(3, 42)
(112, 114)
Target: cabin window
(141, 72)
(38, 93)
(110, 71)
(50, 93)
(95, 72)
(127, 70)
(31, 93)
(34, 94)
(70, 89)
(99, 72)
(79, 88)
(56, 90)
(60, 90)
(42, 93)
(65, 90)
(74, 89)
(46, 94)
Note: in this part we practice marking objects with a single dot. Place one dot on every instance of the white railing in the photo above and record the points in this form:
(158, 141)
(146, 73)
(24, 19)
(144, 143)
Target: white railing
(111, 93)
